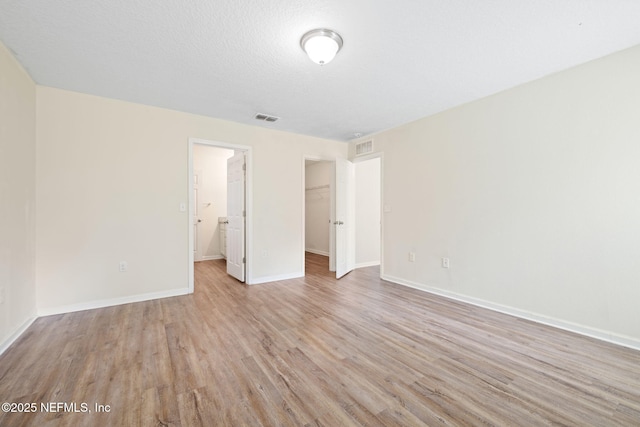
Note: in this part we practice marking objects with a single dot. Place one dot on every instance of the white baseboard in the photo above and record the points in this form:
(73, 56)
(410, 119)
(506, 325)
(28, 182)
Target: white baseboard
(13, 337)
(90, 305)
(317, 252)
(367, 264)
(534, 317)
(266, 279)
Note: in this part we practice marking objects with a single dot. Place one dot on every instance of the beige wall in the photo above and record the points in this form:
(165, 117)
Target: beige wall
(533, 194)
(17, 198)
(111, 177)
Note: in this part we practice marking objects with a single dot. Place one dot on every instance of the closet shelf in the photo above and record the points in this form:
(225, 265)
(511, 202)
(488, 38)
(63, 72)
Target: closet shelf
(318, 187)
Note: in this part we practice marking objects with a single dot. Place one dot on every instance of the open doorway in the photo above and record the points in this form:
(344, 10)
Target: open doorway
(322, 222)
(220, 206)
(318, 212)
(210, 201)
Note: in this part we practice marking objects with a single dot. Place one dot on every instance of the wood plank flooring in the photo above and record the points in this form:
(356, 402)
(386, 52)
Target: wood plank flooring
(313, 352)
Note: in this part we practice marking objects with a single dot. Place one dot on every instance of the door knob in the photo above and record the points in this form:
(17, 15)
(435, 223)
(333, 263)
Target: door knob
(199, 220)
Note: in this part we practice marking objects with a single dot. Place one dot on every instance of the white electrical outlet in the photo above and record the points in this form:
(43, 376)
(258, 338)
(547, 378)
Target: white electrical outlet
(123, 266)
(412, 256)
(445, 262)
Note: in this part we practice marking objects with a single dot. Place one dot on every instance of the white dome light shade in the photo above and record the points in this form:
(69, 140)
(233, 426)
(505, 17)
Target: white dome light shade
(321, 49)
(321, 45)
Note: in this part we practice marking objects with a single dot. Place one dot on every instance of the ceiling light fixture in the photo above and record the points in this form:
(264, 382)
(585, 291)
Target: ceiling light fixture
(321, 45)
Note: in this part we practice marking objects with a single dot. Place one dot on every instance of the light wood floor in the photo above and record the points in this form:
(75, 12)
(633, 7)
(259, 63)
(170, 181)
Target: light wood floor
(317, 352)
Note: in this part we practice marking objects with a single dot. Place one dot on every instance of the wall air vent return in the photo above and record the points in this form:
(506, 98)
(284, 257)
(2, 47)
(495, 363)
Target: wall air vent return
(364, 147)
(266, 117)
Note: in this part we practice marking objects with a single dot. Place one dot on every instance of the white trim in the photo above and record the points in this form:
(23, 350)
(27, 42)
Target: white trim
(367, 264)
(382, 218)
(317, 252)
(18, 332)
(90, 305)
(276, 278)
(248, 205)
(534, 317)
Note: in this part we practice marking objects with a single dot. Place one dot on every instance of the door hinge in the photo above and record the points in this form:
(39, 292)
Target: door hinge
(244, 260)
(244, 213)
(244, 166)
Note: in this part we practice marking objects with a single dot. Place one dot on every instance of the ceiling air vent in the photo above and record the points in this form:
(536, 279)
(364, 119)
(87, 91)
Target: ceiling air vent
(266, 117)
(364, 147)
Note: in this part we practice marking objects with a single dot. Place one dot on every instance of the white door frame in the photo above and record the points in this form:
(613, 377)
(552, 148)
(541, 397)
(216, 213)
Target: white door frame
(332, 209)
(332, 244)
(248, 205)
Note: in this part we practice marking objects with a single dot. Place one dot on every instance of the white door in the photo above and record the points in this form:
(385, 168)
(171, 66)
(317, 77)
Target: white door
(345, 217)
(197, 255)
(235, 216)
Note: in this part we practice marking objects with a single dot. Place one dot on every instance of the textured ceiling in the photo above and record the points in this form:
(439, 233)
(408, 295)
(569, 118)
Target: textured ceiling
(401, 60)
